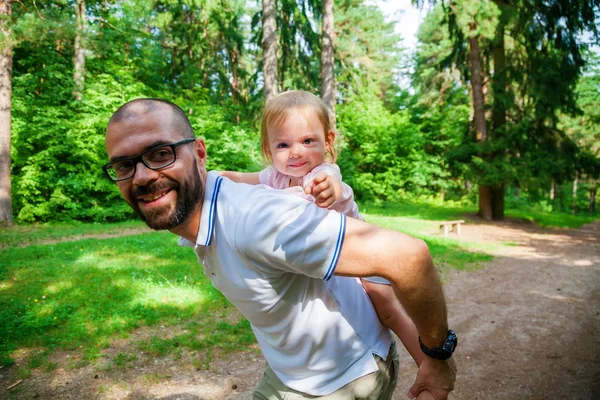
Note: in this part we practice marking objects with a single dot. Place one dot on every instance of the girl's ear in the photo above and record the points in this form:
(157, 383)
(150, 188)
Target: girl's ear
(329, 140)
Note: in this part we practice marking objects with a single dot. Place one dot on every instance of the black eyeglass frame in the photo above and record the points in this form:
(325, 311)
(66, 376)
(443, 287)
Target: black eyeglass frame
(140, 158)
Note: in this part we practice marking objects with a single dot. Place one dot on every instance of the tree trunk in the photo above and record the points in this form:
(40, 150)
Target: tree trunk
(235, 84)
(574, 203)
(269, 44)
(6, 214)
(485, 192)
(79, 54)
(327, 76)
(593, 191)
(485, 202)
(498, 202)
(553, 190)
(499, 114)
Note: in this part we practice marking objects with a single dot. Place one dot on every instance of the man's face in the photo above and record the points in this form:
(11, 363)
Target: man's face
(163, 198)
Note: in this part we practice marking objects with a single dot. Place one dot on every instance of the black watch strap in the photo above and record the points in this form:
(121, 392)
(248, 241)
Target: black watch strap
(444, 352)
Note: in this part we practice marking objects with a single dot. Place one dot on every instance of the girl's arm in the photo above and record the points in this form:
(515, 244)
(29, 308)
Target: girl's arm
(251, 178)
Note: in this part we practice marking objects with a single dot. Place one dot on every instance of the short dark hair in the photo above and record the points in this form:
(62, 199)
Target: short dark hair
(134, 108)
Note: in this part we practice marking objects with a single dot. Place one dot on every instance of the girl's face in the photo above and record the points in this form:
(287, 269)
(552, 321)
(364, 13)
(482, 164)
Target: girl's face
(299, 144)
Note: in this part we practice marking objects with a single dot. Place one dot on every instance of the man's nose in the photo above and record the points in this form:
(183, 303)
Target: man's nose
(143, 174)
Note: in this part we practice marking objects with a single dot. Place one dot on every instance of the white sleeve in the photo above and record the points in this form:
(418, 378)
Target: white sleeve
(330, 169)
(267, 176)
(288, 234)
(345, 204)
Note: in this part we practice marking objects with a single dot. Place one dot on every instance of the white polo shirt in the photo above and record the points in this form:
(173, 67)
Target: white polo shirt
(273, 255)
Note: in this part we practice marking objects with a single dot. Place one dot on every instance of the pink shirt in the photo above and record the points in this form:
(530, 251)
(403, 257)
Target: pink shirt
(345, 204)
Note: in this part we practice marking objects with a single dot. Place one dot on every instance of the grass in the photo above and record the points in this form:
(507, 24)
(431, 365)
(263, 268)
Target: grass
(420, 210)
(554, 219)
(436, 211)
(21, 235)
(81, 295)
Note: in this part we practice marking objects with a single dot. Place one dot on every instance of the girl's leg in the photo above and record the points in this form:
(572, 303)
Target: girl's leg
(392, 316)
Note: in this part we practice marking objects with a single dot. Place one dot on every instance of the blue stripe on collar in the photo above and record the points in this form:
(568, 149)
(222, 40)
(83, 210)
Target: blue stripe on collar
(338, 248)
(213, 209)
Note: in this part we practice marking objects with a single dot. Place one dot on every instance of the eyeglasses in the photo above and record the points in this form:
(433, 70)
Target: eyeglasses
(155, 158)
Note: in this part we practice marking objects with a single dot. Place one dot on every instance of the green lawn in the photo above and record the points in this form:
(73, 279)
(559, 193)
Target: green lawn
(85, 293)
(82, 294)
(31, 234)
(436, 211)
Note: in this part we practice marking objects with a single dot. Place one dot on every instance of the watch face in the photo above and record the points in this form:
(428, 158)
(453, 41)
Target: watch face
(451, 342)
(444, 352)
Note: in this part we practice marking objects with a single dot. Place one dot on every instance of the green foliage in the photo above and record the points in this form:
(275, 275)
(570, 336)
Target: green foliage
(205, 56)
(384, 153)
(367, 51)
(531, 59)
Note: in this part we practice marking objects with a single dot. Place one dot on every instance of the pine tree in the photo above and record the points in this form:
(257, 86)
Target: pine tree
(6, 55)
(269, 45)
(327, 60)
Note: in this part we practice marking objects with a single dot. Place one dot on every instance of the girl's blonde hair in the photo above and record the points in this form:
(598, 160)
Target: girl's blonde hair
(278, 110)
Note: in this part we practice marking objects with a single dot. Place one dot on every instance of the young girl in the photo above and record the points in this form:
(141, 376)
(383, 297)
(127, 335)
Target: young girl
(297, 139)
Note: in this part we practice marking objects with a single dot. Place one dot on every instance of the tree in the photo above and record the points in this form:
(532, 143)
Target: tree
(485, 195)
(79, 49)
(584, 130)
(367, 51)
(531, 59)
(269, 45)
(6, 55)
(327, 60)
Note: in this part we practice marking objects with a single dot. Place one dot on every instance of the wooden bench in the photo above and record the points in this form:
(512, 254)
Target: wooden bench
(451, 225)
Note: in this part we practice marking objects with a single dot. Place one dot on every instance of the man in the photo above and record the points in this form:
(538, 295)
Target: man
(284, 263)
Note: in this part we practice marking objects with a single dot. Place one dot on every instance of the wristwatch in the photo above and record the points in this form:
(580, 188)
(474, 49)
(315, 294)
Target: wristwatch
(444, 352)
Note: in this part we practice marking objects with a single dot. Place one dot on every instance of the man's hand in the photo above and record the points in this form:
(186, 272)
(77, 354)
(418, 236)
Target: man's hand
(326, 189)
(436, 376)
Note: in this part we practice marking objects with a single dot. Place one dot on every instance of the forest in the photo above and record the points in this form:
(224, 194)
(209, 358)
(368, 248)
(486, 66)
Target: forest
(498, 105)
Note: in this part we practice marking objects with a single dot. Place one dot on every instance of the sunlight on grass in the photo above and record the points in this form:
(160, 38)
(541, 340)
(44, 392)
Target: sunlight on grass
(178, 296)
(552, 220)
(58, 287)
(428, 210)
(111, 259)
(81, 294)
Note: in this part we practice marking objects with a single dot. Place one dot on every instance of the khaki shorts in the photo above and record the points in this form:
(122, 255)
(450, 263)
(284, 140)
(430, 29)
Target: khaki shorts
(378, 385)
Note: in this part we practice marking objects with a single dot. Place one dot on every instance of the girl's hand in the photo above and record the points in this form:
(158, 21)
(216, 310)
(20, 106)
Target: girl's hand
(326, 189)
(425, 395)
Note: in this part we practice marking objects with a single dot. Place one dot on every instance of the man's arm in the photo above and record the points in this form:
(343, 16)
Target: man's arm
(369, 250)
(405, 261)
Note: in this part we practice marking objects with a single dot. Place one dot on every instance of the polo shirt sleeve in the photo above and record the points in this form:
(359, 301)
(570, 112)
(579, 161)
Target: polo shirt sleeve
(284, 233)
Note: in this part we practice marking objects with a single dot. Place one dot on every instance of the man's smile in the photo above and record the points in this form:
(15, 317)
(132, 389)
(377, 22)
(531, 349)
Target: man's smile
(153, 196)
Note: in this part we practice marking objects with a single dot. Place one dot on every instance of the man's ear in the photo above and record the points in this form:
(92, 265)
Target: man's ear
(200, 151)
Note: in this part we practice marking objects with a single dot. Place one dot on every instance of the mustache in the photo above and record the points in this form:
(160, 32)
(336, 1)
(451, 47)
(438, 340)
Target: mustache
(154, 187)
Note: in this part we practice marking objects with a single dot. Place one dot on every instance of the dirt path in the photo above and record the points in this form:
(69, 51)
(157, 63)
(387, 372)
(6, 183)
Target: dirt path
(527, 322)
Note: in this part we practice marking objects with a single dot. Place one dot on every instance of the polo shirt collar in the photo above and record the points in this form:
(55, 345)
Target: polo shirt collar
(209, 207)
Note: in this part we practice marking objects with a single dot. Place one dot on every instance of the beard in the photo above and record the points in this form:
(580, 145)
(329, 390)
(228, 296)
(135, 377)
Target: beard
(189, 195)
